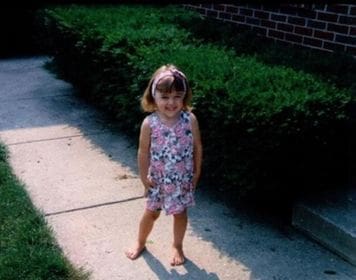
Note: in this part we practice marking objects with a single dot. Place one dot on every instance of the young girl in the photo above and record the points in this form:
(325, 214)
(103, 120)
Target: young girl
(169, 156)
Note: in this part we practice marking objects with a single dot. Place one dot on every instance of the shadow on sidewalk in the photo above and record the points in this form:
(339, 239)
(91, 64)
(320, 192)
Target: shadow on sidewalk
(32, 98)
(268, 249)
(193, 271)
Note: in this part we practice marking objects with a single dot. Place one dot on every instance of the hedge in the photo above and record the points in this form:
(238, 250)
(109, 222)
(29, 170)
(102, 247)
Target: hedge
(264, 128)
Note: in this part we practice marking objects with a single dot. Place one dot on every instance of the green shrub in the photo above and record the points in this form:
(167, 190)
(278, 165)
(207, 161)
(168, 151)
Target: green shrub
(264, 127)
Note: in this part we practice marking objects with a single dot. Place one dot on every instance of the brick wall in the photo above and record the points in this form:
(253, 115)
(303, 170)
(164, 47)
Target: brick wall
(329, 27)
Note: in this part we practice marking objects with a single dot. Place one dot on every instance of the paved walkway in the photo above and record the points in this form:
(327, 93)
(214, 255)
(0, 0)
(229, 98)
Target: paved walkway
(81, 172)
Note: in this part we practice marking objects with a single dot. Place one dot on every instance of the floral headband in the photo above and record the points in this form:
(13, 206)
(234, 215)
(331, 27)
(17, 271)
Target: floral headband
(175, 73)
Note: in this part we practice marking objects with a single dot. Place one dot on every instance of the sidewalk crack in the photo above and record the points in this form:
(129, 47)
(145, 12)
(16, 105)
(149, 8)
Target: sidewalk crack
(58, 138)
(92, 206)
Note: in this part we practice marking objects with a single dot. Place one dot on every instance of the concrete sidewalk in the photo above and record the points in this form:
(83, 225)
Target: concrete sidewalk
(81, 172)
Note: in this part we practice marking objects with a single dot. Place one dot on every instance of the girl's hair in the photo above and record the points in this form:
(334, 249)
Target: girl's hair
(176, 81)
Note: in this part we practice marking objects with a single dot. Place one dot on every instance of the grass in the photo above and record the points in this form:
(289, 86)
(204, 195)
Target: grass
(28, 248)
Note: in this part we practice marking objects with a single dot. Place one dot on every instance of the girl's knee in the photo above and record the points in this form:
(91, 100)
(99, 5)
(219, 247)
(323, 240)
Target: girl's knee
(152, 215)
(182, 215)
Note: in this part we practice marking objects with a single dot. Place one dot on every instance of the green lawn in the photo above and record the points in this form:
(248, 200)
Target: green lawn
(28, 249)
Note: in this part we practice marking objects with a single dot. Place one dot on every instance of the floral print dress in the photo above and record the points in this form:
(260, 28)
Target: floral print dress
(171, 165)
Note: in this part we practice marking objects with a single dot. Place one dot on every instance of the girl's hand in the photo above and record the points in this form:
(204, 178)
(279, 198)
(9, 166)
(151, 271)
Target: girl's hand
(147, 185)
(145, 193)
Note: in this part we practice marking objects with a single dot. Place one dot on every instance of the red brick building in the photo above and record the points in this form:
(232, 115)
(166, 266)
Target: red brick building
(328, 27)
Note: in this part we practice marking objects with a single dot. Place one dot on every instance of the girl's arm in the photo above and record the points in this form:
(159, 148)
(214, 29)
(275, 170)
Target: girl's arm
(143, 155)
(197, 150)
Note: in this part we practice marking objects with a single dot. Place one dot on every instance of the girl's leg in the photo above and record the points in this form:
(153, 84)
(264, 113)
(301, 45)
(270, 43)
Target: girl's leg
(179, 227)
(146, 225)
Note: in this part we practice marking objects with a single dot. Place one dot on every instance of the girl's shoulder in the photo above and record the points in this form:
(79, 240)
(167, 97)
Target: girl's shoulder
(146, 122)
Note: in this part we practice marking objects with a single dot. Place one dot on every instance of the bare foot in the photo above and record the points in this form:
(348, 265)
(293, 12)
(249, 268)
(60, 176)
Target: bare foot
(135, 252)
(178, 257)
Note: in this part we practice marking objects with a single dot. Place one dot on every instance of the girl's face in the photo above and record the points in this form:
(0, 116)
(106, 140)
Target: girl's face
(169, 104)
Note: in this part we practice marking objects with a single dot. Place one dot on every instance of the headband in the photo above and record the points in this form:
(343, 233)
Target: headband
(166, 74)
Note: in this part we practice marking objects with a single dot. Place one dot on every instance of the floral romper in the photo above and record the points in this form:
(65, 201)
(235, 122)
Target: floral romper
(171, 165)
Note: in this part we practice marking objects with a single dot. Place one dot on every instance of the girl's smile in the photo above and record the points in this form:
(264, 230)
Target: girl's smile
(169, 105)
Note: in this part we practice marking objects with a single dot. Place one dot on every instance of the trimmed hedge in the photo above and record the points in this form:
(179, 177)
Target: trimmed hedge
(264, 127)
